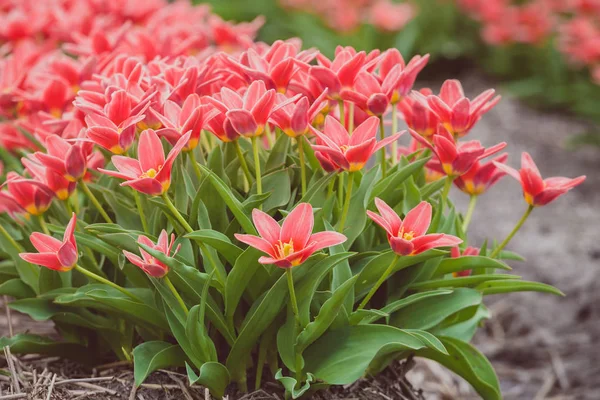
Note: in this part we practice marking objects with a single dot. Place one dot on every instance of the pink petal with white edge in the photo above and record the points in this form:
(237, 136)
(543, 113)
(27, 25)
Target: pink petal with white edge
(298, 226)
(256, 242)
(266, 226)
(150, 151)
(365, 131)
(44, 243)
(389, 215)
(418, 219)
(326, 239)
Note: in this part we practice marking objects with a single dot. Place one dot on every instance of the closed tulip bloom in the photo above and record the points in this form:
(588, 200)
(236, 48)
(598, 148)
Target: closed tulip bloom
(339, 73)
(292, 243)
(53, 253)
(146, 262)
(469, 251)
(418, 116)
(456, 158)
(62, 187)
(151, 172)
(538, 191)
(351, 152)
(481, 176)
(368, 94)
(409, 236)
(397, 77)
(66, 158)
(294, 118)
(32, 196)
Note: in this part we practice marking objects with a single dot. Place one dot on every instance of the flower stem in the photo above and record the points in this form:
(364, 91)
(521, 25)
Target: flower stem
(342, 113)
(11, 240)
(394, 130)
(257, 165)
(270, 139)
(98, 278)
(176, 294)
(346, 202)
(469, 214)
(290, 280)
(43, 224)
(340, 189)
(502, 245)
(446, 191)
(299, 140)
(382, 279)
(95, 201)
(383, 155)
(351, 118)
(140, 207)
(176, 213)
(195, 165)
(243, 163)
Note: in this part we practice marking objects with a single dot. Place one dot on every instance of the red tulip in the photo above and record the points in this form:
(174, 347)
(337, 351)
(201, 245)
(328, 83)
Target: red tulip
(455, 111)
(351, 152)
(62, 187)
(397, 77)
(294, 118)
(409, 237)
(292, 243)
(481, 176)
(339, 73)
(30, 195)
(149, 264)
(54, 254)
(151, 172)
(368, 94)
(418, 116)
(456, 158)
(66, 158)
(538, 191)
(469, 251)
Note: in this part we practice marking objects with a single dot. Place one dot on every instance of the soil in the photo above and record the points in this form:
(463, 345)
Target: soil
(542, 346)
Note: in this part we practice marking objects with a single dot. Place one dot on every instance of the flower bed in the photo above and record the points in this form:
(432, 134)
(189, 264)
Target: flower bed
(283, 229)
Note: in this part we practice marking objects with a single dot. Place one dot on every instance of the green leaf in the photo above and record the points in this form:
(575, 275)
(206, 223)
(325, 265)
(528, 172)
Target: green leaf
(16, 288)
(196, 331)
(509, 286)
(314, 189)
(24, 343)
(151, 356)
(218, 241)
(430, 311)
(358, 205)
(28, 273)
(289, 384)
(462, 281)
(341, 357)
(213, 375)
(467, 362)
(278, 153)
(389, 184)
(239, 277)
(278, 184)
(463, 329)
(234, 205)
(328, 312)
(464, 263)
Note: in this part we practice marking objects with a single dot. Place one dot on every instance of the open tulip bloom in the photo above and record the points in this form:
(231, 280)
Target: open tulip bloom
(91, 127)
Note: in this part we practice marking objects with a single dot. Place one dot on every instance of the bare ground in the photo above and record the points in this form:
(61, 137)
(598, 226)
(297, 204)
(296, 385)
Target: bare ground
(542, 347)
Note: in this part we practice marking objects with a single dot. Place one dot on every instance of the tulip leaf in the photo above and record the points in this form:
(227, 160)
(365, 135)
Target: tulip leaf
(394, 180)
(24, 343)
(509, 286)
(328, 312)
(218, 241)
(463, 281)
(290, 384)
(196, 331)
(342, 356)
(212, 375)
(151, 356)
(278, 184)
(431, 188)
(28, 273)
(17, 289)
(464, 263)
(430, 311)
(378, 265)
(239, 277)
(467, 362)
(463, 329)
(232, 202)
(278, 153)
(358, 205)
(316, 188)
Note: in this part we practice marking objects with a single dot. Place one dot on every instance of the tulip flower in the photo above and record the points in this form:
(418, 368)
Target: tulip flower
(397, 77)
(368, 94)
(351, 152)
(469, 251)
(538, 191)
(418, 116)
(456, 158)
(149, 264)
(292, 243)
(408, 237)
(66, 158)
(294, 118)
(62, 187)
(30, 195)
(457, 113)
(340, 73)
(151, 172)
(54, 254)
(481, 176)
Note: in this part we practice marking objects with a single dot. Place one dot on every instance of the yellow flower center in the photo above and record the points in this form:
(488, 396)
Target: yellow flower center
(285, 249)
(151, 173)
(406, 235)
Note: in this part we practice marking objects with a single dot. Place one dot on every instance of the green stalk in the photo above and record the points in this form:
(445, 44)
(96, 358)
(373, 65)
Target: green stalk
(243, 163)
(68, 206)
(140, 207)
(299, 140)
(382, 279)
(342, 113)
(107, 282)
(176, 213)
(394, 131)
(298, 363)
(469, 214)
(340, 191)
(95, 201)
(195, 165)
(43, 224)
(257, 165)
(351, 119)
(11, 240)
(346, 202)
(383, 155)
(176, 294)
(498, 249)
(445, 192)
(270, 138)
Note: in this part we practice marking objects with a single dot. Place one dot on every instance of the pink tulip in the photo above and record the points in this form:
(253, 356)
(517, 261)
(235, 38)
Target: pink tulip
(30, 195)
(54, 254)
(481, 176)
(351, 152)
(151, 172)
(149, 264)
(397, 78)
(469, 251)
(66, 158)
(409, 237)
(292, 243)
(538, 191)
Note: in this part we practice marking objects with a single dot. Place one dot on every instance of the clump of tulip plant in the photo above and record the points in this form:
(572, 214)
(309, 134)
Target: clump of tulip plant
(242, 210)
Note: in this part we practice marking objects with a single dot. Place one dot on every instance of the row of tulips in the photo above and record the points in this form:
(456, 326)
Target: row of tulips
(270, 146)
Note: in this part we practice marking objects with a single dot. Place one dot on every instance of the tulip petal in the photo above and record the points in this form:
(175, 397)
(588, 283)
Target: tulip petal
(48, 260)
(44, 243)
(325, 239)
(365, 131)
(389, 215)
(266, 226)
(150, 151)
(427, 242)
(256, 242)
(298, 226)
(418, 219)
